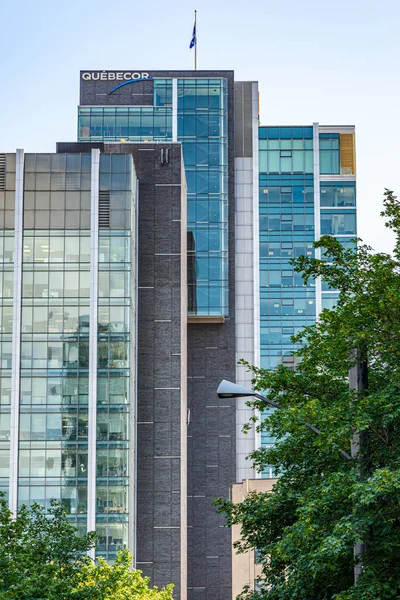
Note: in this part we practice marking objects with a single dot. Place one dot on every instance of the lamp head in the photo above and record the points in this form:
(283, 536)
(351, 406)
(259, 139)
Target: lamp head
(227, 389)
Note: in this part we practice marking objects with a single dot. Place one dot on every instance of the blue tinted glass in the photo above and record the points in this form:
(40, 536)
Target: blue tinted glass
(298, 133)
(308, 132)
(286, 225)
(334, 222)
(205, 156)
(273, 133)
(285, 132)
(134, 124)
(325, 161)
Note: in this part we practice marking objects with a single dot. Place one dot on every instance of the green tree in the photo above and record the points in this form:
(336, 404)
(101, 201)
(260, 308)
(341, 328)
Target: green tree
(322, 503)
(117, 582)
(42, 557)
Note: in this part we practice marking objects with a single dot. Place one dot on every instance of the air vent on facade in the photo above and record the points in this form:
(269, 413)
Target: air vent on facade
(104, 210)
(164, 159)
(2, 171)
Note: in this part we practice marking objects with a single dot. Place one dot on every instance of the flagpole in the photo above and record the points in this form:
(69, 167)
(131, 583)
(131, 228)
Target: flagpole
(195, 43)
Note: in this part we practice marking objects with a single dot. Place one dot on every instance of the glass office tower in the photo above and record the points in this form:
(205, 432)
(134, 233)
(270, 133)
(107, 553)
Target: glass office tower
(307, 182)
(193, 111)
(70, 334)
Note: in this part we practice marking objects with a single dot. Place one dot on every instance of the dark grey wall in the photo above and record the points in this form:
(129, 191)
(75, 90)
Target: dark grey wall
(212, 430)
(243, 118)
(159, 356)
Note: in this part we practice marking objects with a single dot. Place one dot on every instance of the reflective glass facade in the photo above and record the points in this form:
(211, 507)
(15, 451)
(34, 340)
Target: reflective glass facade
(113, 361)
(286, 192)
(116, 124)
(301, 196)
(53, 433)
(202, 127)
(55, 365)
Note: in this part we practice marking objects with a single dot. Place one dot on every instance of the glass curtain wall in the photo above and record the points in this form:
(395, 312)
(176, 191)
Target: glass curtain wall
(202, 129)
(338, 218)
(113, 357)
(53, 438)
(286, 231)
(53, 446)
(115, 124)
(286, 191)
(286, 207)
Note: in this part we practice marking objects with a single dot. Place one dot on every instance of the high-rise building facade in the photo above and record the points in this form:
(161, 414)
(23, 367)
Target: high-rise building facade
(138, 265)
(307, 188)
(196, 109)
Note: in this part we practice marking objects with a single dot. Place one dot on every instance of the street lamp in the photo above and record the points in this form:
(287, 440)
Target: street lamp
(227, 389)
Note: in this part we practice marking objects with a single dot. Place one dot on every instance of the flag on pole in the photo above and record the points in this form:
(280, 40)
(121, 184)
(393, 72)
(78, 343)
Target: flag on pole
(193, 40)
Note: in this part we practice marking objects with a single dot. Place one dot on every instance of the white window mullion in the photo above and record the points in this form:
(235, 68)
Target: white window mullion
(174, 110)
(92, 402)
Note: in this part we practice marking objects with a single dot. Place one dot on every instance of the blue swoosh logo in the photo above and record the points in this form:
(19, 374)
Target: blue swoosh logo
(130, 81)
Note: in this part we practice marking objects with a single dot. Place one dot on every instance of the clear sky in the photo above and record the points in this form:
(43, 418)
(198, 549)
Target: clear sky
(332, 62)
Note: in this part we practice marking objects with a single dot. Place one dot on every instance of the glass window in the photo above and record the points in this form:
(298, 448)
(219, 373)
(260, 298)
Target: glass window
(56, 249)
(41, 284)
(38, 432)
(338, 194)
(117, 284)
(40, 317)
(71, 284)
(56, 287)
(336, 223)
(4, 463)
(41, 249)
(5, 426)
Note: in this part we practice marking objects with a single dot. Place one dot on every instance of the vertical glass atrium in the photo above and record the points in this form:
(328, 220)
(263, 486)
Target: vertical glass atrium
(194, 112)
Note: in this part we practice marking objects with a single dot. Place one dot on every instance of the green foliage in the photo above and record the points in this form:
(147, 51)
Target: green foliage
(117, 582)
(321, 505)
(43, 558)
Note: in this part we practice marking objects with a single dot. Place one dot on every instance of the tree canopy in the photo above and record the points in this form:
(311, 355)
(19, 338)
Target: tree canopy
(42, 557)
(322, 503)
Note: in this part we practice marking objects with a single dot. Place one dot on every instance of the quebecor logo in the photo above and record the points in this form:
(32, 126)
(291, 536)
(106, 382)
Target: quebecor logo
(114, 76)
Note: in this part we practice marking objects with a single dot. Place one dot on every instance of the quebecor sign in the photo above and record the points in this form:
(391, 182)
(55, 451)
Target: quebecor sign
(113, 75)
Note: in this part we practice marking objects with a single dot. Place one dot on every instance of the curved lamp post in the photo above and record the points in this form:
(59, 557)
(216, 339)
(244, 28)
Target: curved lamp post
(227, 389)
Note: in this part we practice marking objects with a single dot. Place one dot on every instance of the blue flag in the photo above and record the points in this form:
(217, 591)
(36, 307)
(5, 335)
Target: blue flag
(193, 40)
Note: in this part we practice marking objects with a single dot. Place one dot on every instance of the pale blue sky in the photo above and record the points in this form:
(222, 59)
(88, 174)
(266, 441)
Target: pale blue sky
(332, 62)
